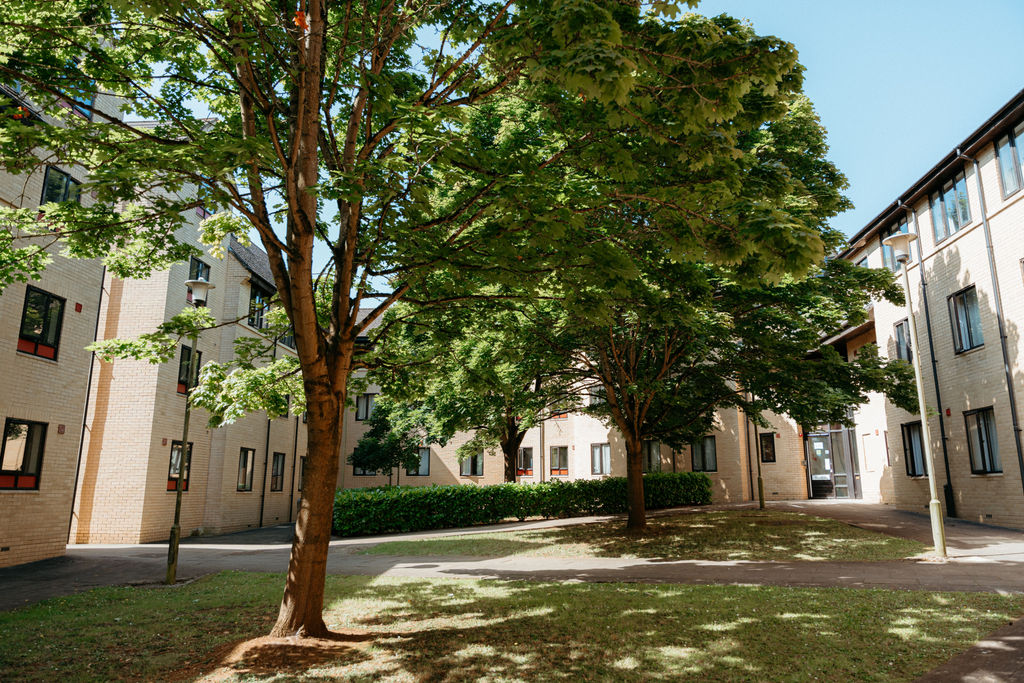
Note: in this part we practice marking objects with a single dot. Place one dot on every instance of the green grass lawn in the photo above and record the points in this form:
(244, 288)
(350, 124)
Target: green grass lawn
(451, 629)
(715, 535)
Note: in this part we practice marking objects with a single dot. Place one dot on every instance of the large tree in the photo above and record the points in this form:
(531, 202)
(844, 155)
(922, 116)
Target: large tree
(421, 148)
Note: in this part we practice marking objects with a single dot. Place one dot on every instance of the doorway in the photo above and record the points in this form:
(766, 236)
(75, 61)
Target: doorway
(832, 463)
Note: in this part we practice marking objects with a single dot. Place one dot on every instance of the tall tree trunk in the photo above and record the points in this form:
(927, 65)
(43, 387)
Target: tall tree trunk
(301, 612)
(637, 520)
(510, 448)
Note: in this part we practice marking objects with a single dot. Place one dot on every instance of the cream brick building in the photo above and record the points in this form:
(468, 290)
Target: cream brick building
(968, 295)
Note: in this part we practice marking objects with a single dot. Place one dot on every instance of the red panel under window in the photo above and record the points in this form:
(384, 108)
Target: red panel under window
(26, 482)
(524, 473)
(26, 346)
(46, 351)
(7, 481)
(560, 472)
(182, 388)
(172, 485)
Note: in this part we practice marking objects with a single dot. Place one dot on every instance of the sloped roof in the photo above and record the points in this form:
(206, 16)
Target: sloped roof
(254, 260)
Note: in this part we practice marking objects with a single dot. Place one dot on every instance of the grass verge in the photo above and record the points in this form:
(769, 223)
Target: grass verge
(756, 535)
(450, 629)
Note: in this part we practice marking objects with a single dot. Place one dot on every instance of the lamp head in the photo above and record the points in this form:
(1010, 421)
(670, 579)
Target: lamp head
(900, 245)
(200, 291)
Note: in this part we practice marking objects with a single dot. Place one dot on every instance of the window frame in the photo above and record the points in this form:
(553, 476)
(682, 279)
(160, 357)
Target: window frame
(937, 198)
(246, 464)
(184, 387)
(11, 480)
(473, 466)
(302, 472)
(700, 446)
(953, 302)
(195, 272)
(277, 473)
(424, 457)
(25, 341)
(172, 479)
(558, 471)
(522, 470)
(258, 314)
(66, 191)
(907, 347)
(888, 255)
(762, 439)
(1016, 154)
(993, 464)
(914, 469)
(364, 405)
(645, 458)
(602, 466)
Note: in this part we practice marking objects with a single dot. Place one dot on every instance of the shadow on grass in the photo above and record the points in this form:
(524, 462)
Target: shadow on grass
(706, 535)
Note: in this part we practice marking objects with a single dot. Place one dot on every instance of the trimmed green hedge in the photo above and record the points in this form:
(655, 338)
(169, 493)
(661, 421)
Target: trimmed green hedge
(417, 508)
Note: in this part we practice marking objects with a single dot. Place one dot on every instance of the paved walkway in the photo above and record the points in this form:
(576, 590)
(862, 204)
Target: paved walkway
(982, 558)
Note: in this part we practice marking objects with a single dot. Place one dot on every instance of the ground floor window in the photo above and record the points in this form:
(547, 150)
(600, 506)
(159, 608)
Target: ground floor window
(277, 473)
(601, 458)
(302, 470)
(524, 462)
(981, 441)
(704, 454)
(423, 469)
(472, 466)
(767, 444)
(913, 450)
(560, 460)
(174, 469)
(246, 465)
(21, 455)
(651, 456)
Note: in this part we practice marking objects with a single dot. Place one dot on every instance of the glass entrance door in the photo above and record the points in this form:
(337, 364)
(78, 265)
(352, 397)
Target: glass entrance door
(820, 465)
(840, 474)
(832, 463)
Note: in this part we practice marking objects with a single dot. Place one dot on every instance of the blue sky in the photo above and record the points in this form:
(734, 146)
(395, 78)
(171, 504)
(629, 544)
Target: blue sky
(898, 84)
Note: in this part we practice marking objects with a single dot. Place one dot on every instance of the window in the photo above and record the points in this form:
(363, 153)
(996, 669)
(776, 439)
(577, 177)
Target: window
(362, 471)
(524, 462)
(423, 469)
(80, 99)
(197, 270)
(259, 298)
(364, 406)
(277, 472)
(21, 456)
(174, 468)
(246, 465)
(888, 257)
(766, 442)
(302, 471)
(981, 441)
(652, 456)
(966, 318)
(288, 338)
(950, 207)
(472, 466)
(559, 414)
(863, 263)
(58, 186)
(184, 381)
(902, 334)
(913, 450)
(560, 460)
(704, 455)
(600, 459)
(41, 321)
(1011, 160)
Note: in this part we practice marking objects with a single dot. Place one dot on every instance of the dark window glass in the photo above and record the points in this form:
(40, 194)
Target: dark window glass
(41, 322)
(600, 458)
(524, 463)
(197, 270)
(950, 207)
(277, 473)
(982, 442)
(246, 465)
(21, 456)
(767, 443)
(58, 186)
(651, 456)
(184, 381)
(364, 406)
(423, 469)
(302, 471)
(560, 460)
(966, 317)
(174, 468)
(705, 455)
(259, 298)
(913, 450)
(1009, 165)
(472, 466)
(902, 333)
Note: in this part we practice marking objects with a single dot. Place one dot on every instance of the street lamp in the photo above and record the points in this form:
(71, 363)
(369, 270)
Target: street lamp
(900, 245)
(200, 289)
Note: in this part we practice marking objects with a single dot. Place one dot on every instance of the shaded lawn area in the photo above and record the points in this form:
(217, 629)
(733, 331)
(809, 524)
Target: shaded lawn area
(757, 535)
(458, 629)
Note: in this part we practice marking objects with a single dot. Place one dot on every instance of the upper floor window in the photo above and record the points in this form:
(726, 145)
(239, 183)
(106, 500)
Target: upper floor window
(600, 458)
(197, 270)
(423, 468)
(246, 467)
(651, 456)
(704, 455)
(888, 257)
(950, 207)
(472, 466)
(364, 406)
(41, 322)
(981, 441)
(174, 468)
(1010, 152)
(560, 460)
(184, 381)
(902, 333)
(277, 473)
(913, 450)
(21, 454)
(966, 318)
(80, 96)
(524, 462)
(259, 298)
(59, 186)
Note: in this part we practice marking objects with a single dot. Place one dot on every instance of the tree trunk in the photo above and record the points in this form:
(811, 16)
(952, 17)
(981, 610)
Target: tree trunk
(301, 612)
(510, 448)
(637, 520)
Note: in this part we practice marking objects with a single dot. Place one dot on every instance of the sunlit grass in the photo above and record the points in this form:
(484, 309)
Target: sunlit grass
(451, 629)
(706, 535)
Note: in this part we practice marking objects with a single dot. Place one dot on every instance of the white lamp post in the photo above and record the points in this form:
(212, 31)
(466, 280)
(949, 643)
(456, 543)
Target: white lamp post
(200, 291)
(900, 245)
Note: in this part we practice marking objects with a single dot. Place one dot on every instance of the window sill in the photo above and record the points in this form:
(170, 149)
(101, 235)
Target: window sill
(987, 475)
(3, 491)
(968, 352)
(26, 354)
(917, 477)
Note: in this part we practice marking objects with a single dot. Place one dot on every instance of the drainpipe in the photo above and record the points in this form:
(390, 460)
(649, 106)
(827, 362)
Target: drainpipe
(998, 301)
(85, 410)
(750, 459)
(266, 452)
(295, 462)
(947, 488)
